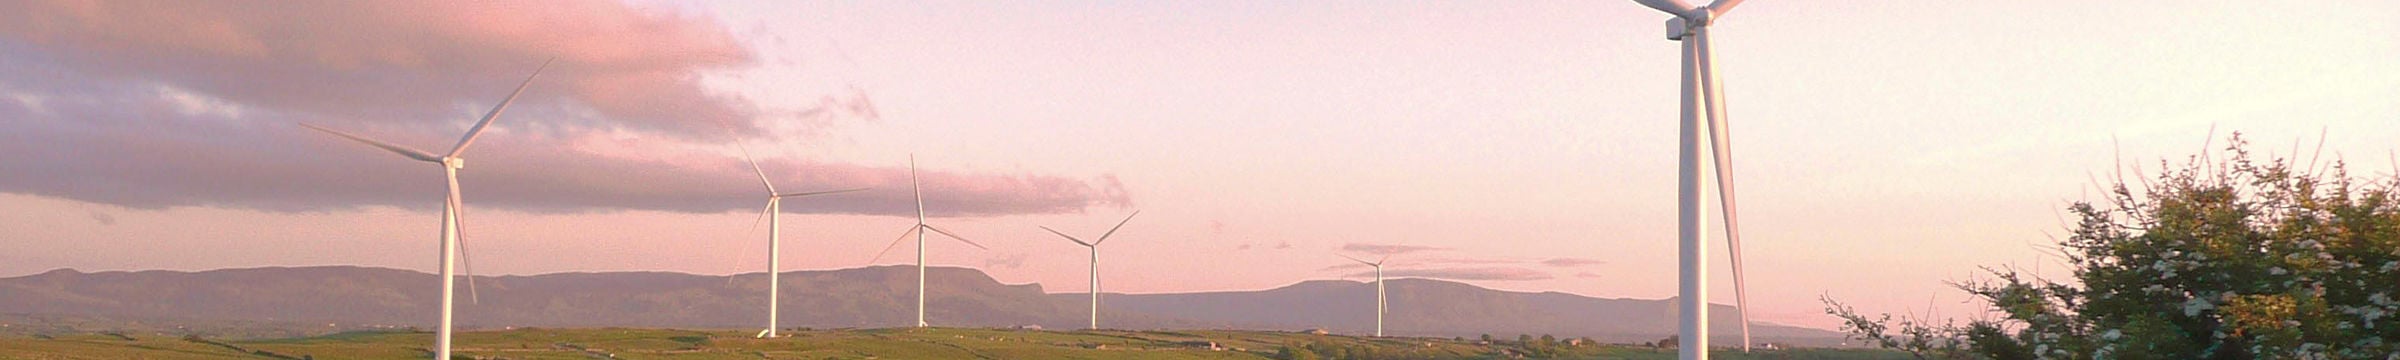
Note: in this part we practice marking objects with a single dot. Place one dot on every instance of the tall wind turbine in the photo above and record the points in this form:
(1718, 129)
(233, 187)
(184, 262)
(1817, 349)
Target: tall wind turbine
(1702, 95)
(919, 229)
(1380, 306)
(453, 252)
(774, 215)
(1095, 246)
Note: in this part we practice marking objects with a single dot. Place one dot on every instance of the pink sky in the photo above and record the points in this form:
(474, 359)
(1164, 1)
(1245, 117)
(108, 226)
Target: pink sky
(1883, 146)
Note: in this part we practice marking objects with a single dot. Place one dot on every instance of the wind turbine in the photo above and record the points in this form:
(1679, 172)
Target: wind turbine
(454, 251)
(1095, 246)
(919, 229)
(1702, 95)
(774, 216)
(1380, 306)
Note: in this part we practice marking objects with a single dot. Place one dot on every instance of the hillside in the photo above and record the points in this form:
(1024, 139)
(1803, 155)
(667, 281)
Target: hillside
(1422, 307)
(907, 343)
(286, 302)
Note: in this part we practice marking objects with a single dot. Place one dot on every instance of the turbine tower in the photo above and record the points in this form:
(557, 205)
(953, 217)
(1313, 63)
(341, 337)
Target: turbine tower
(1380, 306)
(1095, 246)
(454, 251)
(774, 217)
(919, 229)
(1702, 96)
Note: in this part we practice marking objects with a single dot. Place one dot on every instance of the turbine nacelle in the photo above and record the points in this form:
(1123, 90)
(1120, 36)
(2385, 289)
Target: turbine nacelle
(454, 162)
(1687, 16)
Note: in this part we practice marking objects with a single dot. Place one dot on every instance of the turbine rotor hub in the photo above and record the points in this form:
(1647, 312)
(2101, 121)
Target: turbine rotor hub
(1683, 24)
(455, 162)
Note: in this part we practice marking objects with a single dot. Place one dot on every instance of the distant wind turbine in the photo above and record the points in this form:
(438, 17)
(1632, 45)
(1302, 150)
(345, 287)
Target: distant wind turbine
(1095, 246)
(919, 229)
(1702, 96)
(774, 216)
(454, 251)
(1381, 307)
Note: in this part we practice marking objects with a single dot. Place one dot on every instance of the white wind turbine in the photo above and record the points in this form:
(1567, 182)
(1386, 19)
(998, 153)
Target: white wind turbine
(453, 251)
(1380, 306)
(1095, 246)
(1702, 96)
(919, 229)
(774, 216)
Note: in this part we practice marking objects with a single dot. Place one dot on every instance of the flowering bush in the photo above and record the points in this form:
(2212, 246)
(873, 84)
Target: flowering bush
(2232, 259)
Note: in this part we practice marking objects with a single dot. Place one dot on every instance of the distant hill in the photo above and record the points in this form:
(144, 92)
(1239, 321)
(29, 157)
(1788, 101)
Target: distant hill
(1424, 307)
(341, 297)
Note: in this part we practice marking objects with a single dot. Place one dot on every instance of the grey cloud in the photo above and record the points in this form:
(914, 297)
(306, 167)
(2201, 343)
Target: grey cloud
(418, 63)
(1571, 262)
(1502, 273)
(1384, 249)
(150, 125)
(1010, 261)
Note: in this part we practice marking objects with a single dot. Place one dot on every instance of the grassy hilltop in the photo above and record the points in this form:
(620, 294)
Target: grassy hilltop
(900, 343)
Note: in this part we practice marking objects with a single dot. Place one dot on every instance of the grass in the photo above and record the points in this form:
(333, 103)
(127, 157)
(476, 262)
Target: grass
(900, 343)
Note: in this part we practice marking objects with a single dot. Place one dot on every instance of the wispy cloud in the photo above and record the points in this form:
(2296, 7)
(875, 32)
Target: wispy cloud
(1385, 249)
(1009, 261)
(1571, 262)
(1500, 273)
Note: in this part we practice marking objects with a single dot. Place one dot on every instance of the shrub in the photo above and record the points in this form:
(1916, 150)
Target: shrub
(2230, 259)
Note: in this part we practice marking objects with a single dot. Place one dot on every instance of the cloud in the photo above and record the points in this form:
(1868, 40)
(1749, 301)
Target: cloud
(1283, 245)
(1382, 249)
(1502, 273)
(1587, 275)
(639, 68)
(104, 218)
(167, 104)
(1010, 261)
(1344, 266)
(1571, 262)
(1463, 261)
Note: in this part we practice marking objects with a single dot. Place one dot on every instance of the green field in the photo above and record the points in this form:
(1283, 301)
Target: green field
(924, 343)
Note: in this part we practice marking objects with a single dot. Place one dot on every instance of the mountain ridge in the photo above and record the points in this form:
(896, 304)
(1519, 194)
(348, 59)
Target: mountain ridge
(864, 297)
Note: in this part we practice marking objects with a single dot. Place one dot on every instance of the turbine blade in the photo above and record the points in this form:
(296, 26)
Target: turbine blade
(402, 150)
(1379, 262)
(1381, 306)
(1113, 230)
(916, 190)
(762, 217)
(800, 194)
(1721, 6)
(1677, 7)
(458, 217)
(955, 236)
(1355, 259)
(1720, 134)
(887, 249)
(1064, 235)
(495, 113)
(762, 173)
